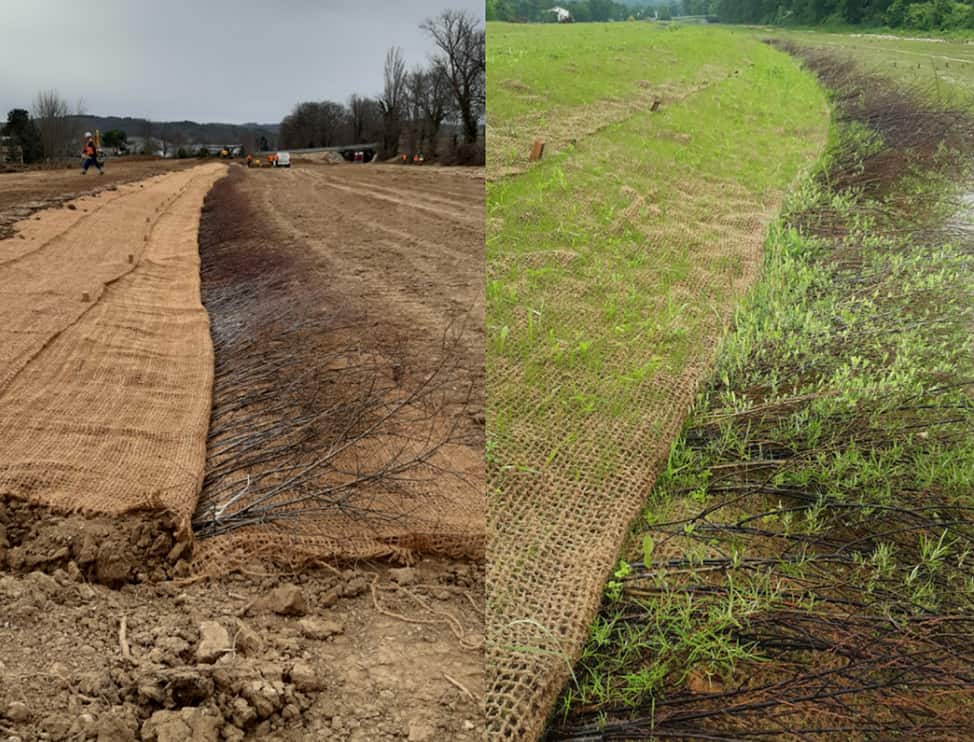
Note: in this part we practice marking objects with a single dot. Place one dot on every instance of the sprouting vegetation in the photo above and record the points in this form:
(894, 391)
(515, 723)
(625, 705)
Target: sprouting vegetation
(803, 566)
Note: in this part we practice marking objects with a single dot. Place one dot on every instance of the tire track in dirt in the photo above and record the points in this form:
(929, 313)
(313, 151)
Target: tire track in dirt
(415, 207)
(457, 204)
(431, 275)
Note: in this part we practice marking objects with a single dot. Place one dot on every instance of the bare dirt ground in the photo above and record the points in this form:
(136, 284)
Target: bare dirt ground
(363, 651)
(405, 244)
(24, 192)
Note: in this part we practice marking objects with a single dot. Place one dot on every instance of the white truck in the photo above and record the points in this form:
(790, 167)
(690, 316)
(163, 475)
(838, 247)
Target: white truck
(283, 159)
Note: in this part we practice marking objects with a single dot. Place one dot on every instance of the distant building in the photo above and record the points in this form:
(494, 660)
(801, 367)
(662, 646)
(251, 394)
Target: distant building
(561, 15)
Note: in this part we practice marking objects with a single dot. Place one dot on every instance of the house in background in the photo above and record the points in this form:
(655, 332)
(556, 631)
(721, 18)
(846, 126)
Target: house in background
(561, 15)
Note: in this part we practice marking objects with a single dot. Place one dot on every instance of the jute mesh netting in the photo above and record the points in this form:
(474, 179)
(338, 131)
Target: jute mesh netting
(300, 438)
(567, 477)
(106, 360)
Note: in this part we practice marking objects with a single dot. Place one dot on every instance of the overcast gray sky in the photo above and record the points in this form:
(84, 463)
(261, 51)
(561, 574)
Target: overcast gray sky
(206, 60)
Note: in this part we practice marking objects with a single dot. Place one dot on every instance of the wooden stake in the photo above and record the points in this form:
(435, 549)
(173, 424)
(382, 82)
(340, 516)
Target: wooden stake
(537, 149)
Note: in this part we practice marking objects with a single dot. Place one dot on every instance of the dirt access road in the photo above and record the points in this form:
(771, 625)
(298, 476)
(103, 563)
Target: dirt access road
(361, 651)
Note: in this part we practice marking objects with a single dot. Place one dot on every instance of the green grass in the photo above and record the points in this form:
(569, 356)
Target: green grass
(566, 83)
(591, 253)
(540, 68)
(943, 68)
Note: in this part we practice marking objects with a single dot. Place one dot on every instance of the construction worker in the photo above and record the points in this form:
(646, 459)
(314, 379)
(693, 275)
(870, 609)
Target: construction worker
(90, 154)
(250, 160)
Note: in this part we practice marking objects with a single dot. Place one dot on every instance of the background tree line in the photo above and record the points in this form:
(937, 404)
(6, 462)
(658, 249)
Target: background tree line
(929, 15)
(925, 15)
(410, 112)
(46, 134)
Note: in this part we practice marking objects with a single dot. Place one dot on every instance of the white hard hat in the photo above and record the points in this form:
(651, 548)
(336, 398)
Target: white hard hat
(87, 133)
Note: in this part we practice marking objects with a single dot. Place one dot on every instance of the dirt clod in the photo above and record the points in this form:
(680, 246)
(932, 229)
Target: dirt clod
(248, 641)
(214, 642)
(285, 600)
(17, 711)
(304, 677)
(185, 725)
(319, 629)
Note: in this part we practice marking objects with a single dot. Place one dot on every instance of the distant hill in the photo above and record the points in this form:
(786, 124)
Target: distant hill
(184, 132)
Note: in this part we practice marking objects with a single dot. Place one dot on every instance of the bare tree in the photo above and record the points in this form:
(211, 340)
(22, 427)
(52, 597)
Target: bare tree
(364, 116)
(147, 148)
(332, 120)
(415, 90)
(460, 39)
(393, 100)
(435, 104)
(51, 115)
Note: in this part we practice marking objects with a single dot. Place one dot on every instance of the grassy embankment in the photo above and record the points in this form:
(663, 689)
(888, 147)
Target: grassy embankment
(613, 266)
(943, 68)
(803, 566)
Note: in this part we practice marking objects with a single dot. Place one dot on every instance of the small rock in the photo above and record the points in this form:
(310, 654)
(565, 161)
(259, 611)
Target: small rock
(214, 642)
(403, 576)
(286, 600)
(317, 628)
(17, 711)
(304, 677)
(232, 734)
